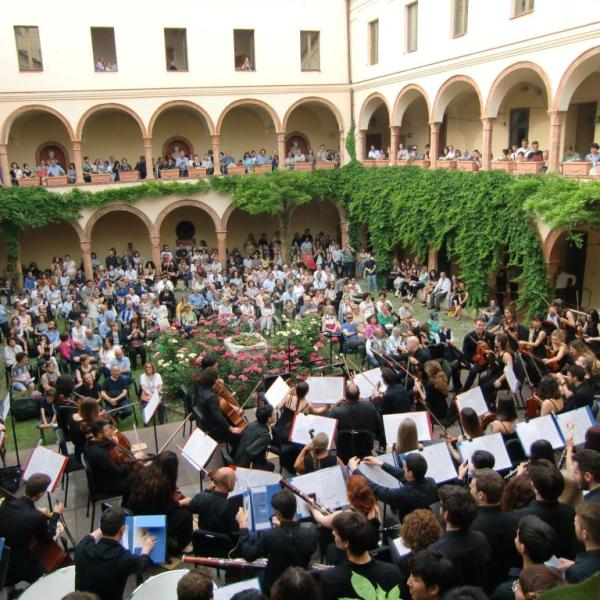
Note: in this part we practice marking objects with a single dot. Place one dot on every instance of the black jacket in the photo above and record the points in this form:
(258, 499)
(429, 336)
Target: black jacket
(405, 499)
(288, 545)
(109, 477)
(253, 444)
(470, 554)
(359, 415)
(469, 343)
(21, 523)
(103, 567)
(215, 511)
(561, 517)
(213, 421)
(586, 564)
(396, 399)
(500, 529)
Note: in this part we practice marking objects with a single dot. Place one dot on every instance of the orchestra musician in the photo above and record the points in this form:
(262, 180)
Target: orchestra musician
(495, 379)
(535, 348)
(434, 392)
(315, 455)
(255, 441)
(558, 352)
(23, 525)
(396, 398)
(563, 318)
(548, 397)
(575, 389)
(591, 331)
(285, 545)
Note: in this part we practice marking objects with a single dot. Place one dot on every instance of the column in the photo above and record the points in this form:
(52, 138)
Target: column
(486, 150)
(557, 118)
(361, 141)
(148, 155)
(344, 233)
(432, 258)
(76, 147)
(222, 247)
(4, 167)
(155, 241)
(281, 149)
(434, 142)
(86, 257)
(394, 137)
(216, 148)
(342, 148)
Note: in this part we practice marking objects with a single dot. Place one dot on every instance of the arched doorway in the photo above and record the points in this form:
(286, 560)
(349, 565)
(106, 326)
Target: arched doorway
(297, 142)
(183, 221)
(33, 133)
(411, 116)
(41, 245)
(240, 224)
(518, 101)
(180, 124)
(248, 125)
(374, 125)
(458, 108)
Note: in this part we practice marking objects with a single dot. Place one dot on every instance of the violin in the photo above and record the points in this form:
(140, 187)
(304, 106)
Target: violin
(484, 356)
(229, 405)
(532, 407)
(552, 353)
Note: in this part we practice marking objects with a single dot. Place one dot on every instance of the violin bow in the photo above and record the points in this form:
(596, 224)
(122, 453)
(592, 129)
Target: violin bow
(250, 394)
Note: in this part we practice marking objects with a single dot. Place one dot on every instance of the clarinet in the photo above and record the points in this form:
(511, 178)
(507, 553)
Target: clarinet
(310, 501)
(238, 563)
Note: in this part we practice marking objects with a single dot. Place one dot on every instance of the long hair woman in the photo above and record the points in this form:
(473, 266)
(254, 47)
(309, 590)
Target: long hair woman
(153, 491)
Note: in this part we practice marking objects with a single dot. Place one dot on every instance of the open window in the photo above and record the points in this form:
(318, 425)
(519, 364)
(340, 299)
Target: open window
(243, 47)
(29, 50)
(310, 51)
(176, 49)
(104, 49)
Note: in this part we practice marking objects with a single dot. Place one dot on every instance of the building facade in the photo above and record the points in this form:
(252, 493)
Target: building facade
(143, 82)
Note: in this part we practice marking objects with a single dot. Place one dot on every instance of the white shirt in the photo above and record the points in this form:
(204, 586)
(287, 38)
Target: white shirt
(443, 285)
(152, 383)
(375, 154)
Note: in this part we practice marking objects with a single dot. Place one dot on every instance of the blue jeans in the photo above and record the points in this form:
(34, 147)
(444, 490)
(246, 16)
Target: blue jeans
(372, 282)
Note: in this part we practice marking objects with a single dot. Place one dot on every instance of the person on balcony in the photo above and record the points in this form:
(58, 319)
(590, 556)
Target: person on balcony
(525, 149)
(570, 155)
(402, 153)
(262, 158)
(374, 154)
(226, 161)
(54, 169)
(594, 155)
(536, 155)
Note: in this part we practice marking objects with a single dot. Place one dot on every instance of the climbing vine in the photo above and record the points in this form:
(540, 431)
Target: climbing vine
(483, 220)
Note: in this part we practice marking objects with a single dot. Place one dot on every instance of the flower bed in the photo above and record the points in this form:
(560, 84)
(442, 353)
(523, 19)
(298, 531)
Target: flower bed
(298, 349)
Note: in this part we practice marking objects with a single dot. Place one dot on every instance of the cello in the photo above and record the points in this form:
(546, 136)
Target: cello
(229, 406)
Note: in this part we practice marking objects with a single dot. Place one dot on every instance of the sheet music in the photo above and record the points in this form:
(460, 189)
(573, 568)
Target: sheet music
(420, 418)
(388, 458)
(575, 423)
(277, 392)
(400, 548)
(493, 443)
(474, 399)
(48, 462)
(328, 485)
(303, 425)
(151, 407)
(198, 449)
(227, 591)
(325, 390)
(378, 475)
(5, 407)
(540, 428)
(440, 466)
(367, 382)
(249, 478)
(513, 383)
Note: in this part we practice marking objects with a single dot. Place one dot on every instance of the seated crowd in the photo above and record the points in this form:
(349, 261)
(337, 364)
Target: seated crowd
(477, 531)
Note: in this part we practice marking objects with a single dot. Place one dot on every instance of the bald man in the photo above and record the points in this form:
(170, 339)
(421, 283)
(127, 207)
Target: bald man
(215, 512)
(352, 414)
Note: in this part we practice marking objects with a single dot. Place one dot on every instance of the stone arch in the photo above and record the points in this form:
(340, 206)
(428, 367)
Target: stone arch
(109, 106)
(368, 108)
(316, 100)
(47, 143)
(176, 138)
(8, 123)
(405, 98)
(249, 102)
(449, 90)
(510, 77)
(552, 247)
(181, 104)
(86, 235)
(188, 202)
(583, 66)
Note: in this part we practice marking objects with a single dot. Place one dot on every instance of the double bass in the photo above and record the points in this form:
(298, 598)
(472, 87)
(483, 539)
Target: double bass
(229, 406)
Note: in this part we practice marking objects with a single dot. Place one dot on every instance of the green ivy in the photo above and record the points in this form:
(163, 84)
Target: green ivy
(351, 142)
(483, 220)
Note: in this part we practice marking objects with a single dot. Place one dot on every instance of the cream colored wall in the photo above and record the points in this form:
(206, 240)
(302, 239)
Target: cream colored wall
(112, 133)
(414, 124)
(205, 229)
(29, 132)
(245, 129)
(116, 230)
(180, 122)
(241, 224)
(539, 121)
(41, 245)
(464, 123)
(317, 216)
(316, 123)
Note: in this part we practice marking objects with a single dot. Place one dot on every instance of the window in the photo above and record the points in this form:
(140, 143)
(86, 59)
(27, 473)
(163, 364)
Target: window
(104, 49)
(412, 22)
(176, 49)
(309, 51)
(374, 42)
(522, 7)
(460, 17)
(518, 126)
(243, 47)
(29, 51)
